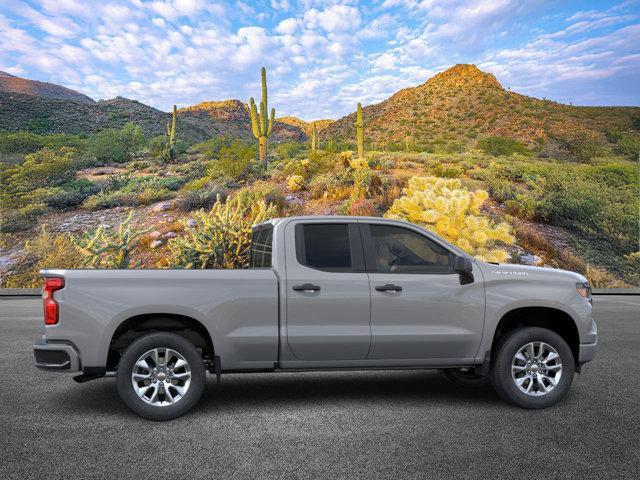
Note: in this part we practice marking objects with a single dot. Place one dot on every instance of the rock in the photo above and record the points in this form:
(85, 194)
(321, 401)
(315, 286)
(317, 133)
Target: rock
(531, 259)
(170, 235)
(156, 243)
(155, 234)
(191, 223)
(163, 206)
(289, 198)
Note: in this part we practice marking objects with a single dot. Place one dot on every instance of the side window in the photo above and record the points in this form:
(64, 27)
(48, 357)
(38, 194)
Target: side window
(400, 250)
(261, 248)
(327, 246)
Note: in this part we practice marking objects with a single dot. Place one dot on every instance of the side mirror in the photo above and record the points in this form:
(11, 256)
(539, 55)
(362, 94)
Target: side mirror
(463, 267)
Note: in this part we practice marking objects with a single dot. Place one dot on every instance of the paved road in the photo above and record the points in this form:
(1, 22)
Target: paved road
(323, 425)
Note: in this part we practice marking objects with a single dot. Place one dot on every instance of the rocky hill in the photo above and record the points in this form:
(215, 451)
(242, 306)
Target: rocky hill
(464, 103)
(305, 126)
(16, 85)
(232, 117)
(45, 114)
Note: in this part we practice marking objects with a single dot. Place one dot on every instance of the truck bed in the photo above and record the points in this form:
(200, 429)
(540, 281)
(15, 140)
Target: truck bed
(238, 307)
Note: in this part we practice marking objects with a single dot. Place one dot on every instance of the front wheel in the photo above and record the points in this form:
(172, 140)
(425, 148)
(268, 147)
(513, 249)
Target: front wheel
(161, 376)
(533, 368)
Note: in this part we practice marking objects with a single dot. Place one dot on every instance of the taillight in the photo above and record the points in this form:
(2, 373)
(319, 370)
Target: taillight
(51, 314)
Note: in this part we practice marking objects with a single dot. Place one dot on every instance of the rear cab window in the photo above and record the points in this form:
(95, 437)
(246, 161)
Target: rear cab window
(331, 247)
(261, 247)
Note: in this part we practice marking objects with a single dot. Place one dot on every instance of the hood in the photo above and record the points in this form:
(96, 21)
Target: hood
(509, 271)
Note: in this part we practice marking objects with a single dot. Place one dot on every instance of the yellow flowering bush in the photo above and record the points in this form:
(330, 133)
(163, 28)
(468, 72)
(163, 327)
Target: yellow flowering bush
(295, 182)
(453, 212)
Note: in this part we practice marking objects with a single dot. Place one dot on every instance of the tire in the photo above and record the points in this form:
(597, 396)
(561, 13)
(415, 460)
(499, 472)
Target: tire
(171, 390)
(466, 378)
(547, 380)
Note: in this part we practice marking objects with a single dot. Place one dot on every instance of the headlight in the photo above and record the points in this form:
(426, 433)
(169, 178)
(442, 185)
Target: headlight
(584, 290)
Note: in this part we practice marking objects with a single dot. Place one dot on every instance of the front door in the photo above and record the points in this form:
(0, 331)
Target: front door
(419, 309)
(328, 299)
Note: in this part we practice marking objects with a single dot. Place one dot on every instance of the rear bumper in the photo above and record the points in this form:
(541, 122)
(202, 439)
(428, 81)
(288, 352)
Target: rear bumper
(60, 357)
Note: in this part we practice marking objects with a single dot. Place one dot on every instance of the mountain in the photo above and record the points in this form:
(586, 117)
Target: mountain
(232, 117)
(464, 103)
(47, 108)
(16, 85)
(305, 126)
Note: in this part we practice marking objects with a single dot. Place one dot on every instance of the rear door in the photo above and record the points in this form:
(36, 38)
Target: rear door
(419, 309)
(328, 297)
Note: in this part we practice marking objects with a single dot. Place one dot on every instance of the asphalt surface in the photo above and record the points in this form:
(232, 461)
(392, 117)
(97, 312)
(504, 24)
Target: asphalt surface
(346, 425)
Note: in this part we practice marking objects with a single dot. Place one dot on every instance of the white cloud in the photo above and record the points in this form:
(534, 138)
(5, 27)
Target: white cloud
(287, 26)
(335, 19)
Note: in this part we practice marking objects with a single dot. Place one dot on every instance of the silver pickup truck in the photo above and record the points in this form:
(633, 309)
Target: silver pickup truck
(321, 293)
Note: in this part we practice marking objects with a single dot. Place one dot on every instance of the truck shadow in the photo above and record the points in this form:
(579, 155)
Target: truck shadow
(326, 387)
(270, 390)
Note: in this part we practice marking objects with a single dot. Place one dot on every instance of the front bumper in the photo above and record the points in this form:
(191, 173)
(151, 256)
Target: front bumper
(60, 357)
(587, 352)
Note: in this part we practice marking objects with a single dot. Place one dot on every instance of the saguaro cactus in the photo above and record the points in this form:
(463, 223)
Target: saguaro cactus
(314, 140)
(171, 136)
(260, 124)
(360, 132)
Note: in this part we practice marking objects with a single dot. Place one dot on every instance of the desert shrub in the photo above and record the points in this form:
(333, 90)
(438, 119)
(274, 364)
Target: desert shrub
(447, 170)
(110, 248)
(157, 145)
(258, 191)
(190, 200)
(629, 146)
(289, 150)
(498, 146)
(116, 145)
(295, 182)
(234, 159)
(68, 195)
(27, 142)
(523, 206)
(23, 218)
(453, 212)
(211, 148)
(45, 250)
(221, 237)
(43, 169)
(581, 146)
(362, 207)
(124, 198)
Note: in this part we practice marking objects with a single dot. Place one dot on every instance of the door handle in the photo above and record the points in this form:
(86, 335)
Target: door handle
(306, 287)
(389, 287)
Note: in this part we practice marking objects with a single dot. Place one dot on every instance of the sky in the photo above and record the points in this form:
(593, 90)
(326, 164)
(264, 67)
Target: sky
(322, 57)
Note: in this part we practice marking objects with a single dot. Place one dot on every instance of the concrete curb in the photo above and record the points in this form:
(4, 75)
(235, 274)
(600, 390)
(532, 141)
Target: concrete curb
(20, 292)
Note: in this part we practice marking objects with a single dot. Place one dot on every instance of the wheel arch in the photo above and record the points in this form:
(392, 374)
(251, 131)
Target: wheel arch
(551, 318)
(136, 326)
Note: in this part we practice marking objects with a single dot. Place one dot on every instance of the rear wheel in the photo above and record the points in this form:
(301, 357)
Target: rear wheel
(533, 368)
(161, 376)
(465, 377)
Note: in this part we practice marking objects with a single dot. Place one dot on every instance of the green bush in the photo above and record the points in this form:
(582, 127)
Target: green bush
(498, 146)
(116, 145)
(581, 146)
(234, 159)
(629, 146)
(289, 150)
(45, 168)
(27, 142)
(124, 198)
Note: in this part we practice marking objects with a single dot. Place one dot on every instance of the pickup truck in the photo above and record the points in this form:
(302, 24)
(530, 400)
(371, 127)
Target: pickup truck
(321, 293)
